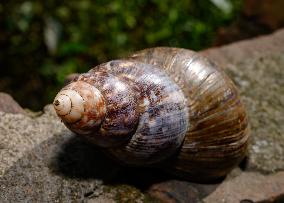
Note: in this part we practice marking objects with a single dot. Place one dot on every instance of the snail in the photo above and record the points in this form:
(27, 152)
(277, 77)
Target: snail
(162, 107)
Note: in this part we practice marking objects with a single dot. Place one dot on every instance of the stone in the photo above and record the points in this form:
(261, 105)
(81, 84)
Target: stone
(174, 191)
(9, 105)
(250, 187)
(262, 88)
(42, 161)
(238, 52)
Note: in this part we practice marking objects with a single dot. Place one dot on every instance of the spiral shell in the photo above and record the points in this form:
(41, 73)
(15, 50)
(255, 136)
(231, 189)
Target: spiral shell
(164, 107)
(217, 138)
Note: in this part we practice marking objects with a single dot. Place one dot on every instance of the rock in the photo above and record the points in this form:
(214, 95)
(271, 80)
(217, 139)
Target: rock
(9, 105)
(238, 52)
(174, 191)
(249, 187)
(42, 161)
(262, 88)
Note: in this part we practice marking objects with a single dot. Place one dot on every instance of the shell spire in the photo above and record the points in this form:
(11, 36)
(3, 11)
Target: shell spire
(69, 105)
(81, 106)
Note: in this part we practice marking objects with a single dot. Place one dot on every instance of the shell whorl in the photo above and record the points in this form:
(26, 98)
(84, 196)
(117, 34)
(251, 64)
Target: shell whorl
(218, 136)
(165, 106)
(69, 105)
(145, 118)
(162, 109)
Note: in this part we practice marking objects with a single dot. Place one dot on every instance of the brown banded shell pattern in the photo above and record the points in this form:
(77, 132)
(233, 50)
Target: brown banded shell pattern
(217, 137)
(161, 106)
(120, 102)
(145, 118)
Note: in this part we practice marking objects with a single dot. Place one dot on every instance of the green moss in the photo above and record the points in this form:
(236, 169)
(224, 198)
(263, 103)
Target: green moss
(128, 194)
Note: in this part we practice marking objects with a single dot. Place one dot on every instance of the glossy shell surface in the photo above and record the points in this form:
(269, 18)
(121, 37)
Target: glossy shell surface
(165, 107)
(217, 137)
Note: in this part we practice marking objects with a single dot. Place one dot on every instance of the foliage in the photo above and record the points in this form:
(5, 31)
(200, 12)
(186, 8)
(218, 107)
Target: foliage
(43, 41)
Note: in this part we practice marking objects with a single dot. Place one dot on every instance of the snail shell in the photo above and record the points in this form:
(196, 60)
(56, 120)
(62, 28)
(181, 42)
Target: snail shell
(166, 107)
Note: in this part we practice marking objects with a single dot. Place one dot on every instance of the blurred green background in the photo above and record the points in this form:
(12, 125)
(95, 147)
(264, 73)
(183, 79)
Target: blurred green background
(43, 41)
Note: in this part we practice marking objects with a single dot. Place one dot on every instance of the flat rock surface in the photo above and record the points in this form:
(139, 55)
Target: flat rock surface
(249, 187)
(261, 82)
(247, 49)
(42, 161)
